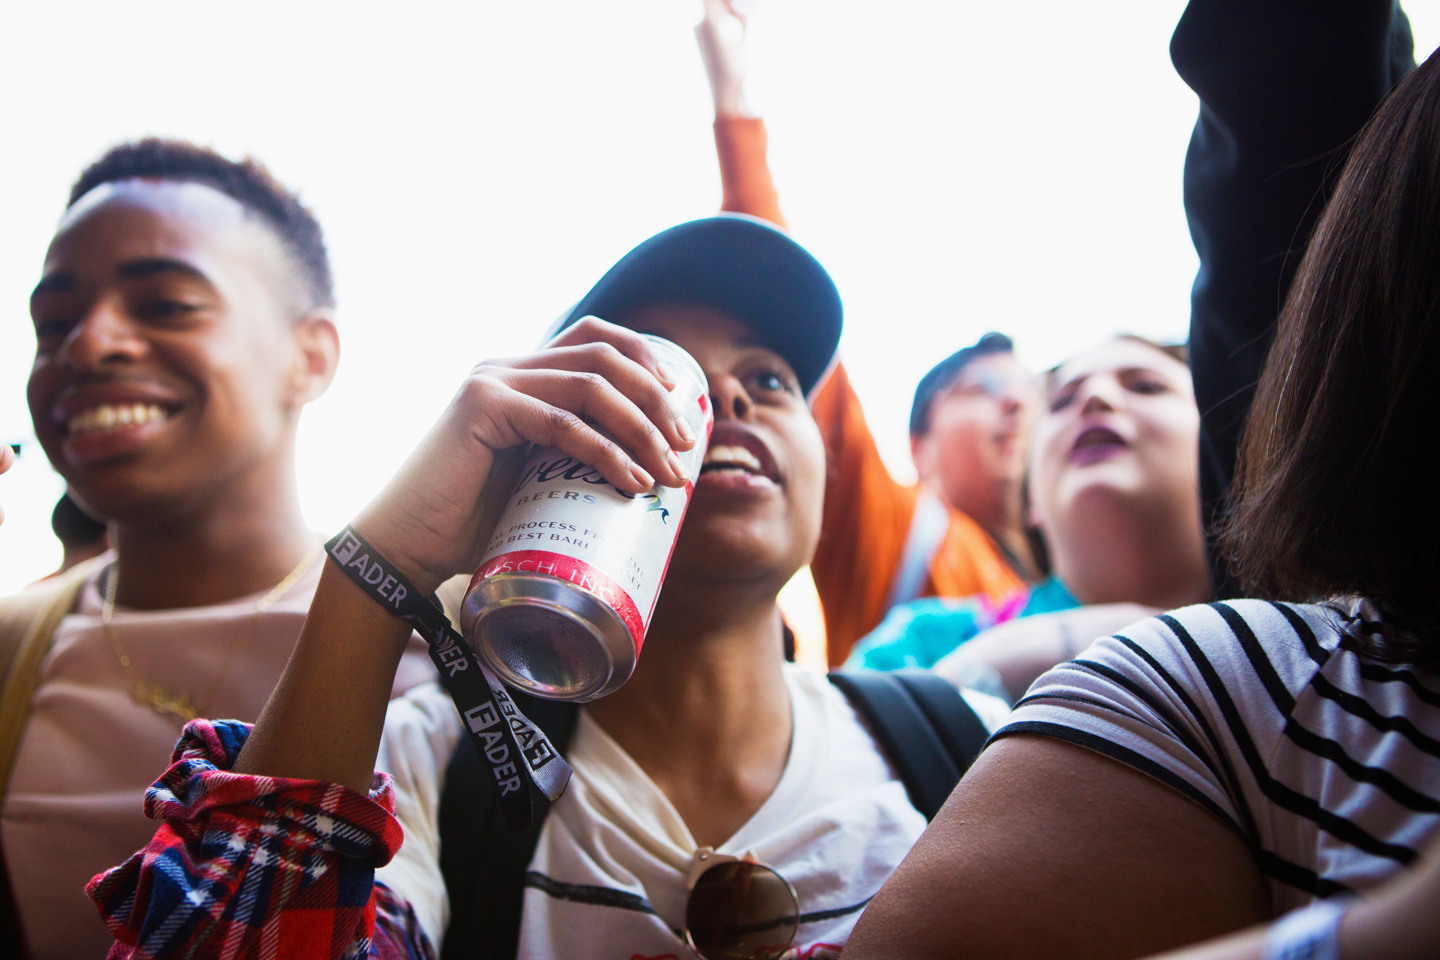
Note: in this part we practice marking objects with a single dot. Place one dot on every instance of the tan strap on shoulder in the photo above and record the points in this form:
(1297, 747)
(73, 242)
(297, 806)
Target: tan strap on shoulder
(27, 625)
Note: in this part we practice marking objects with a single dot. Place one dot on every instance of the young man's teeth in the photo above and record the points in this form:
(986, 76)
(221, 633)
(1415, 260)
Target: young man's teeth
(732, 456)
(109, 416)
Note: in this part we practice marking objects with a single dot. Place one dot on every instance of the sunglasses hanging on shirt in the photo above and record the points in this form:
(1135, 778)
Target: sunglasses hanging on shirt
(737, 908)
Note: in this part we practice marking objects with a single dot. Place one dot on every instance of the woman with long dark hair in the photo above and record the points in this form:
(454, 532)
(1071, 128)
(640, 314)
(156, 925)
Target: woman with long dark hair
(1224, 765)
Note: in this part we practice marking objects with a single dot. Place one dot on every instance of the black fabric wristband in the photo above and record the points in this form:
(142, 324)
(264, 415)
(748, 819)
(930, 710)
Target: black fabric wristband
(526, 770)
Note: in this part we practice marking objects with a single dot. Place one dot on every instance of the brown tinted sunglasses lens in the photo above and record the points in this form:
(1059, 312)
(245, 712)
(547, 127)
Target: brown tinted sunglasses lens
(741, 911)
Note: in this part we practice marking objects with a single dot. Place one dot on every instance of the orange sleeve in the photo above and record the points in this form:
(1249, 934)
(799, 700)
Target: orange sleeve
(968, 561)
(865, 521)
(745, 181)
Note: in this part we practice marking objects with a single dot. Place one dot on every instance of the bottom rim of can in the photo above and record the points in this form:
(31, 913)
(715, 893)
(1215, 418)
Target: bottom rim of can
(504, 592)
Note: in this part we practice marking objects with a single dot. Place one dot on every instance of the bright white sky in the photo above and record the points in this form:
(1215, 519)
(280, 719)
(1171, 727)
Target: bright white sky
(958, 167)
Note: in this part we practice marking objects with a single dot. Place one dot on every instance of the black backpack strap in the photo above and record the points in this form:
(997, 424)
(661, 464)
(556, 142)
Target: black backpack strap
(924, 726)
(482, 859)
(952, 718)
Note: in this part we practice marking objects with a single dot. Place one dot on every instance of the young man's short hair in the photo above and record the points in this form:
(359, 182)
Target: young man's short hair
(247, 182)
(944, 374)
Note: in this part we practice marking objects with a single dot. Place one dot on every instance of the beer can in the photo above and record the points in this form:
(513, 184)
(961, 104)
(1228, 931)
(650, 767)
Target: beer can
(561, 601)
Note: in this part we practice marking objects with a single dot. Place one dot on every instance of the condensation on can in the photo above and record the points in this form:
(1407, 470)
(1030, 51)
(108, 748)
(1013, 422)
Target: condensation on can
(561, 600)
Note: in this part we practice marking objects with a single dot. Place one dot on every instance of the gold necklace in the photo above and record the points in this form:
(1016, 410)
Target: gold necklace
(156, 697)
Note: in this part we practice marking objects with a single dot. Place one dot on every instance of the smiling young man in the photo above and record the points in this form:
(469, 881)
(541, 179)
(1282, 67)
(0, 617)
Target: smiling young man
(182, 321)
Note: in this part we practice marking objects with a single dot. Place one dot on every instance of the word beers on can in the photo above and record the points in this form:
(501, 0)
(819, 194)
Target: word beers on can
(562, 599)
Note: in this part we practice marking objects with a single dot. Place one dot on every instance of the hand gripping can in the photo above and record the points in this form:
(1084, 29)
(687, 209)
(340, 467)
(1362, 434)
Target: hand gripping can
(562, 599)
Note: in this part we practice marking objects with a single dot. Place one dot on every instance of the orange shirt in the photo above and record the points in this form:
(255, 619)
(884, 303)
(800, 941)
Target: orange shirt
(867, 513)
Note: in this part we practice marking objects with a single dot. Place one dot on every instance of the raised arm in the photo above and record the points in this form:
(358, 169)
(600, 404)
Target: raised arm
(740, 137)
(865, 520)
(867, 513)
(1281, 95)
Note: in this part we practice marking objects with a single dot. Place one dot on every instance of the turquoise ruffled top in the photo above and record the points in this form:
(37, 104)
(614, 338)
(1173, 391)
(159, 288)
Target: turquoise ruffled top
(920, 633)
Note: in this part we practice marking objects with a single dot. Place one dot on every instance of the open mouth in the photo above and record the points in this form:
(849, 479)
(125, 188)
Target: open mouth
(730, 458)
(99, 423)
(109, 417)
(739, 460)
(1096, 443)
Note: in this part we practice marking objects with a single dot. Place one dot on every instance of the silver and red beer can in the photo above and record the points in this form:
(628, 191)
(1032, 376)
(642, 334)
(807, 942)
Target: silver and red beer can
(561, 601)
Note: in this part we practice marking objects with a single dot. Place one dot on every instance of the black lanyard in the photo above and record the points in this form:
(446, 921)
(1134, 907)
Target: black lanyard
(523, 766)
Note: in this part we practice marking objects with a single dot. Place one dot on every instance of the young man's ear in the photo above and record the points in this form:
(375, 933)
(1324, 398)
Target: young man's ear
(317, 345)
(922, 454)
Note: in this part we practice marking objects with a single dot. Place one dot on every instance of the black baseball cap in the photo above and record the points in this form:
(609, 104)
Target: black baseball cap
(944, 374)
(742, 265)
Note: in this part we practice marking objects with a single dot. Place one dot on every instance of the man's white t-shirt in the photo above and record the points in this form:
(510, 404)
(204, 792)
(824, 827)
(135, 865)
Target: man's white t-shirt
(609, 872)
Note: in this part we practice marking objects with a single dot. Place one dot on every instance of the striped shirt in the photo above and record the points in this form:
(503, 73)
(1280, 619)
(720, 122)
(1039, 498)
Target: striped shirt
(1272, 717)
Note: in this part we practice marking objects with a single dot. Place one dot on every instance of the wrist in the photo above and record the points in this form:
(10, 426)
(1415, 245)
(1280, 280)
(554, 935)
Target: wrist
(385, 539)
(1310, 933)
(1398, 920)
(374, 621)
(731, 104)
(389, 584)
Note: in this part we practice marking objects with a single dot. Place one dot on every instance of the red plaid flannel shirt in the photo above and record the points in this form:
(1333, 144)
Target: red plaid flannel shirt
(257, 867)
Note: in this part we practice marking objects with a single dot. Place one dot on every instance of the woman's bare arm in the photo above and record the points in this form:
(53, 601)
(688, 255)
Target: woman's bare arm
(1050, 850)
(1018, 651)
(1398, 922)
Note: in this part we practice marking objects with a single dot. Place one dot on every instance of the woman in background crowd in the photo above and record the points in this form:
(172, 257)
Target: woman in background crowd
(1224, 765)
(1113, 492)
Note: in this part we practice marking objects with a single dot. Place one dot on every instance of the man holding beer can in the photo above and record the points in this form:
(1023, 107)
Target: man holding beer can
(723, 803)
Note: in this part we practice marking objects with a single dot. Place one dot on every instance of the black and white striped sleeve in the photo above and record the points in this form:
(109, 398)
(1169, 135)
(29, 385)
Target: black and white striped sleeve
(1194, 698)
